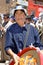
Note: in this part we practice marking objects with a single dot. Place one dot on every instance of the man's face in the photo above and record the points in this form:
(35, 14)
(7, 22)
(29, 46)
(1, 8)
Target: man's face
(20, 17)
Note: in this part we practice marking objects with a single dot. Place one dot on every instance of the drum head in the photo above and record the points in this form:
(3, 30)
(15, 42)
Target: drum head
(29, 52)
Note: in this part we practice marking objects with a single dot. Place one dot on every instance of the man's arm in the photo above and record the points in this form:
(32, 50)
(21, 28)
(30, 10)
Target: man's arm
(9, 44)
(13, 55)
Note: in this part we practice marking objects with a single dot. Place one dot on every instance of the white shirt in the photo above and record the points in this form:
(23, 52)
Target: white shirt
(7, 25)
(39, 24)
(32, 24)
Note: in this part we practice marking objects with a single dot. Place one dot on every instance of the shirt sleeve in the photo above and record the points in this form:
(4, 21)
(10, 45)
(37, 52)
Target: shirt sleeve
(8, 41)
(11, 42)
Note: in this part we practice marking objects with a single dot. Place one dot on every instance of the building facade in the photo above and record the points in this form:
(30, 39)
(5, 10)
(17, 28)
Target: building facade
(5, 5)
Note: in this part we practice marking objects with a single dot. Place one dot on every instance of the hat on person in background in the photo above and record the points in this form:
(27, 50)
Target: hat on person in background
(35, 19)
(28, 17)
(12, 17)
(6, 15)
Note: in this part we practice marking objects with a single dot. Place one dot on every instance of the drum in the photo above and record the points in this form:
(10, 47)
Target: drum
(30, 56)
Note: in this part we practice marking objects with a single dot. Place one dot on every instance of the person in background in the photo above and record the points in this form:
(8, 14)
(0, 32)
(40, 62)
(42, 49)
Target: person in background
(33, 22)
(39, 23)
(7, 22)
(12, 19)
(10, 22)
(4, 25)
(28, 19)
(15, 34)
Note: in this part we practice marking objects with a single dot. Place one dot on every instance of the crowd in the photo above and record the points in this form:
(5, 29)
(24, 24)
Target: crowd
(16, 28)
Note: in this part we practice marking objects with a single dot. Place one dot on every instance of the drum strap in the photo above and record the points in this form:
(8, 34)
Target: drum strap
(26, 37)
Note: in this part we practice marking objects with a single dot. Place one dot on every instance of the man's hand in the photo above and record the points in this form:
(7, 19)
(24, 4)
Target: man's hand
(14, 56)
(16, 59)
(37, 48)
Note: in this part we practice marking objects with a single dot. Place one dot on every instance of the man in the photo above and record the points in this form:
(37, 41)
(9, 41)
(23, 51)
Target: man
(19, 15)
(15, 35)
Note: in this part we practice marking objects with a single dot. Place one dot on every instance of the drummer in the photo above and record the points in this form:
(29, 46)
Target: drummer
(15, 36)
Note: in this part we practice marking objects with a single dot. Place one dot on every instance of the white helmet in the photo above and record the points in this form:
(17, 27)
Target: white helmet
(19, 7)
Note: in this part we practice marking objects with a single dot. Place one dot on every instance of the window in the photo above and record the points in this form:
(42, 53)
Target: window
(25, 0)
(7, 1)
